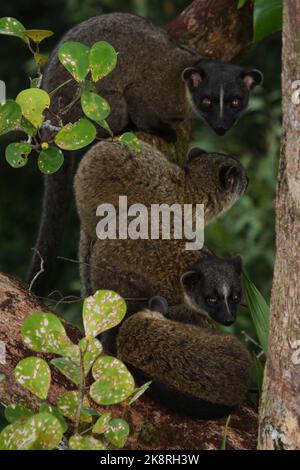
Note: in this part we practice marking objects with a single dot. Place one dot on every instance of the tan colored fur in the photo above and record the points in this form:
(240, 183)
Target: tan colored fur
(143, 268)
(197, 361)
(187, 355)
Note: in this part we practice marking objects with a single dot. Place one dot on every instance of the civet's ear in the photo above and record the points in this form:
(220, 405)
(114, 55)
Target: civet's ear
(228, 176)
(252, 78)
(193, 77)
(196, 152)
(159, 304)
(189, 279)
(237, 263)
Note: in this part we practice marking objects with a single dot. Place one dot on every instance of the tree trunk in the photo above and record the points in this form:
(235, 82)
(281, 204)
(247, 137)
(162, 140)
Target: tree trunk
(150, 422)
(280, 404)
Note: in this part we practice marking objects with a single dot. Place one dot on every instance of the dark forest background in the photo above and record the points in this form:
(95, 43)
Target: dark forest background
(248, 229)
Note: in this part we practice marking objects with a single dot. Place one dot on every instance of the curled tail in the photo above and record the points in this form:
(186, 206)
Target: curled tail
(196, 370)
(56, 202)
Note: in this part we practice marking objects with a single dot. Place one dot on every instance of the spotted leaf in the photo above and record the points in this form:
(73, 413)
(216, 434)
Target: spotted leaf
(117, 432)
(17, 412)
(76, 136)
(67, 367)
(102, 424)
(12, 27)
(16, 154)
(94, 106)
(44, 332)
(47, 429)
(10, 116)
(138, 392)
(78, 442)
(102, 311)
(50, 160)
(103, 59)
(33, 373)
(68, 404)
(74, 56)
(17, 436)
(53, 410)
(33, 102)
(113, 381)
(92, 348)
(131, 140)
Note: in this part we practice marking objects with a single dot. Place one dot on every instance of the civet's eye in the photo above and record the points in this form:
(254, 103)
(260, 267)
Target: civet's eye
(236, 103)
(206, 102)
(211, 300)
(235, 299)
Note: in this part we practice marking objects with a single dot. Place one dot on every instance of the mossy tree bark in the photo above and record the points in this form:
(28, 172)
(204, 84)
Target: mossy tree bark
(280, 405)
(150, 422)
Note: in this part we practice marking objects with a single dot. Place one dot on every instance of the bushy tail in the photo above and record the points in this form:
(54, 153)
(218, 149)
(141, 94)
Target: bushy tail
(196, 370)
(56, 202)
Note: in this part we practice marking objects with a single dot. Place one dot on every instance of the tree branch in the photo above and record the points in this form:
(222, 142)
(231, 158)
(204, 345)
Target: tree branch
(215, 28)
(150, 422)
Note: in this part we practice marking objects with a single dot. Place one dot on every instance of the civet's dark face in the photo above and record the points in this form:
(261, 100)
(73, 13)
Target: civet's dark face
(220, 92)
(213, 286)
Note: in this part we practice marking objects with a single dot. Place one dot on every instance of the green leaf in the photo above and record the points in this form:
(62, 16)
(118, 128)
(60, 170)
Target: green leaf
(138, 392)
(27, 127)
(259, 311)
(78, 442)
(67, 368)
(131, 140)
(76, 136)
(47, 429)
(88, 411)
(17, 412)
(105, 126)
(241, 3)
(68, 404)
(53, 410)
(94, 106)
(103, 59)
(33, 102)
(102, 424)
(267, 18)
(38, 35)
(16, 154)
(117, 432)
(70, 366)
(17, 436)
(33, 373)
(114, 383)
(74, 56)
(44, 332)
(259, 373)
(2, 377)
(10, 116)
(92, 349)
(224, 440)
(50, 160)
(102, 311)
(12, 27)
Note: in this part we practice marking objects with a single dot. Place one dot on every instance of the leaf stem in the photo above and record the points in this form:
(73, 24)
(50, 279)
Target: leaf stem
(81, 392)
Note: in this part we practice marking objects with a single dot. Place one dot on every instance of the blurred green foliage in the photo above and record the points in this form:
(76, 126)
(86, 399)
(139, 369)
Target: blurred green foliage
(248, 229)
